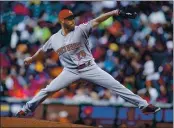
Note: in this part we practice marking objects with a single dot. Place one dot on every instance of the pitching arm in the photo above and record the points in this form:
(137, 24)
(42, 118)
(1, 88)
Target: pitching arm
(39, 53)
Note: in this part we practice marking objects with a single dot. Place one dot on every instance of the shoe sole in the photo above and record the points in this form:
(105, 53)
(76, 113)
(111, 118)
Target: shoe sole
(157, 110)
(28, 115)
(19, 115)
(153, 112)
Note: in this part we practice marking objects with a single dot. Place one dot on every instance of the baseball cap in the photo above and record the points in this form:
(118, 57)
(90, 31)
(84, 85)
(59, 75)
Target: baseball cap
(65, 13)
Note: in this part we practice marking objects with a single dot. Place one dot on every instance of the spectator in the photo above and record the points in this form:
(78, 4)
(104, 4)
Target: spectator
(151, 91)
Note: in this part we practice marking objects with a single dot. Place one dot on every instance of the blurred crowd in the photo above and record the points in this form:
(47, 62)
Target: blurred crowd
(137, 53)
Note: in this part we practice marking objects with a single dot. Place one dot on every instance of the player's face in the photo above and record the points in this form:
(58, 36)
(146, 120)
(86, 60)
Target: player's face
(69, 23)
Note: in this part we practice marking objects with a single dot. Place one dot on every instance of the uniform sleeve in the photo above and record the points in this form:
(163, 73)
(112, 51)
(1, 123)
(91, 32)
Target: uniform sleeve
(48, 45)
(86, 28)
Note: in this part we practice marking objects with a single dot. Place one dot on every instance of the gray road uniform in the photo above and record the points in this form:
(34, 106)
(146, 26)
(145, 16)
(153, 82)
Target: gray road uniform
(78, 62)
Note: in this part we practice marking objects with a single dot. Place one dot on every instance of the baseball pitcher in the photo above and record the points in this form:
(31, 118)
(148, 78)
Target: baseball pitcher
(72, 46)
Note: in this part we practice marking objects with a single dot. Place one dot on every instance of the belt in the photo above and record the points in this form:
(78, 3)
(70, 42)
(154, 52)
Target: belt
(84, 65)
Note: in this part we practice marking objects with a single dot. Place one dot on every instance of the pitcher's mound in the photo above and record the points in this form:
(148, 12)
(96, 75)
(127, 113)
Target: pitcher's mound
(29, 122)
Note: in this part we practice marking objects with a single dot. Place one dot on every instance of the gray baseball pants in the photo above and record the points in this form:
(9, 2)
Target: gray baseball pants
(92, 73)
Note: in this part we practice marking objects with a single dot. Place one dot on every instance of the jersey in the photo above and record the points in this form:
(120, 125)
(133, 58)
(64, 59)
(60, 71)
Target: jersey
(73, 49)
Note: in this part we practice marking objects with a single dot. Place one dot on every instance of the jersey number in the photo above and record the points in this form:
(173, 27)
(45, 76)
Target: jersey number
(81, 54)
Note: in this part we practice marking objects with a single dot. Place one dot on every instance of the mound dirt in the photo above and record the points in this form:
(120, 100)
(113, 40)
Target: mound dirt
(7, 122)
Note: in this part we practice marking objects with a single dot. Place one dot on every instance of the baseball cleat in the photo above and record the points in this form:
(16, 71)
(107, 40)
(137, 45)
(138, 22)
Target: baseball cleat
(150, 109)
(21, 114)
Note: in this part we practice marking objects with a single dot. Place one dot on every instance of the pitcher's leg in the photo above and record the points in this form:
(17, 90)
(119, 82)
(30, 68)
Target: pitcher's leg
(63, 80)
(100, 77)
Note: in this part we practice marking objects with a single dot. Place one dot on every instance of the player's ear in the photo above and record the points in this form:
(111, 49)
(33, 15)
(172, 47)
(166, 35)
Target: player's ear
(61, 21)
